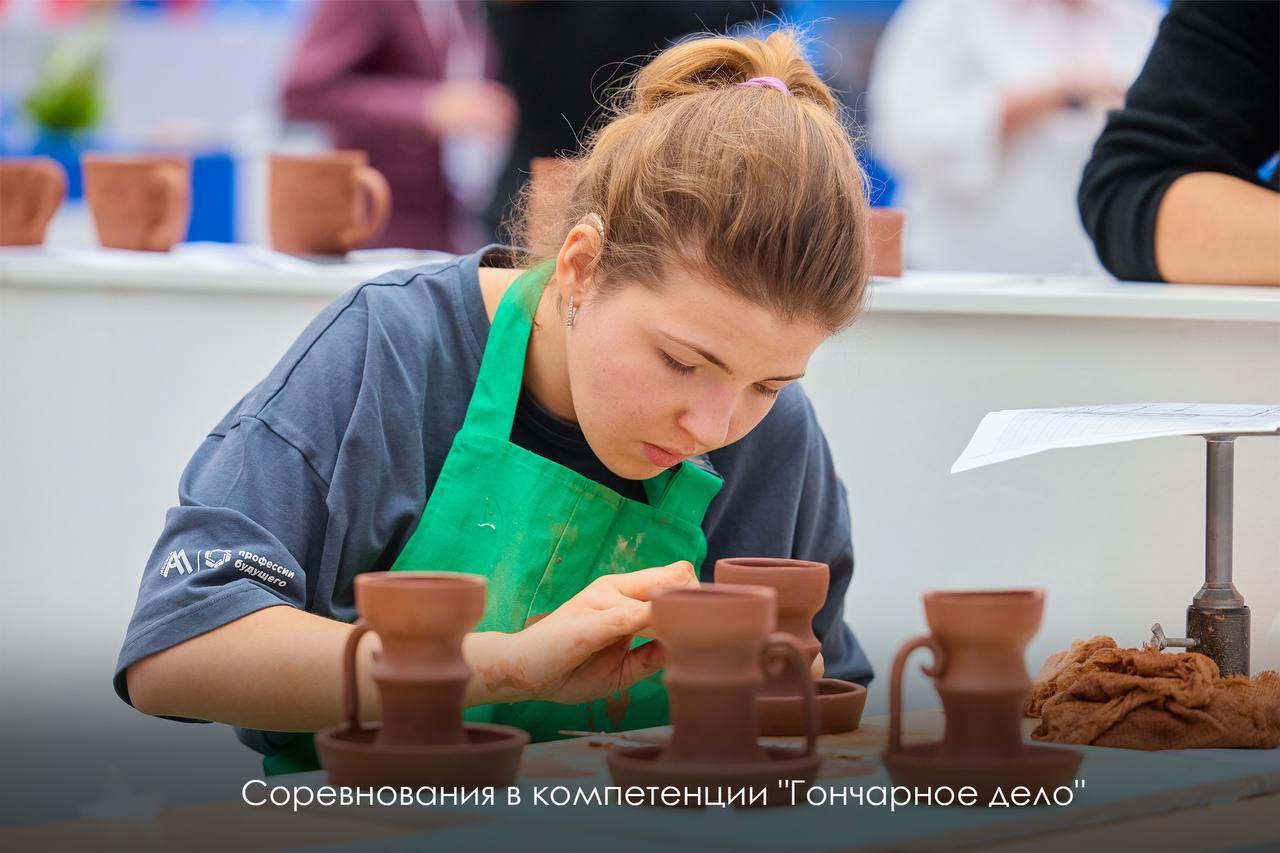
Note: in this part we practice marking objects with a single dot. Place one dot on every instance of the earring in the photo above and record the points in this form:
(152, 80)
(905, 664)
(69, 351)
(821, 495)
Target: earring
(568, 317)
(597, 222)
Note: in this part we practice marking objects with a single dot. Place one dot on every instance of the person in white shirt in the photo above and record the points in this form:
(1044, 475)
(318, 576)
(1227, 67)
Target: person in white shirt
(987, 110)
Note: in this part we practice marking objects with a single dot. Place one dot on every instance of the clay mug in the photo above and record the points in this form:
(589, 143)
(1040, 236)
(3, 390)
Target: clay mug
(31, 189)
(801, 590)
(978, 640)
(421, 618)
(139, 202)
(886, 229)
(326, 204)
(719, 641)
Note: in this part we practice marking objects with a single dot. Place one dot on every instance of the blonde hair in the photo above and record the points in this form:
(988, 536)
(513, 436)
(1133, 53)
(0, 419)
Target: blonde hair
(757, 190)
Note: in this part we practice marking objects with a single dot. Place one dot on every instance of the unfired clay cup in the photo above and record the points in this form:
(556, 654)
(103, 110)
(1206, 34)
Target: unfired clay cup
(801, 589)
(978, 640)
(421, 677)
(720, 647)
(139, 202)
(326, 204)
(31, 189)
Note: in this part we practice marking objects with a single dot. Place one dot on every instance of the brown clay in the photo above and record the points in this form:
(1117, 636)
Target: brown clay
(31, 190)
(1100, 694)
(887, 225)
(138, 202)
(978, 641)
(326, 204)
(714, 638)
(801, 589)
(421, 619)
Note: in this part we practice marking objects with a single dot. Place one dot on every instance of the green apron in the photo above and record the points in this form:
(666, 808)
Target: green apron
(540, 532)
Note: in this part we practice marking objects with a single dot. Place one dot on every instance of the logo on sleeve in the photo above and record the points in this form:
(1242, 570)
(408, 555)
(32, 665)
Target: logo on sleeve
(177, 560)
(216, 559)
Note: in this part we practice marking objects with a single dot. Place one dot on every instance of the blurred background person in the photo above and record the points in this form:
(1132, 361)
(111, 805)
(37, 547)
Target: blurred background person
(562, 60)
(986, 110)
(400, 79)
(1182, 185)
(843, 37)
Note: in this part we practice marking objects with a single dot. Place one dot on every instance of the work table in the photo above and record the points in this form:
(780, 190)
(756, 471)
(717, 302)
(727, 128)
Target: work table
(1131, 800)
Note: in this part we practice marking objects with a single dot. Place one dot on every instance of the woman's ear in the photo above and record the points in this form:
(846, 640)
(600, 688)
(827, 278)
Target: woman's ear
(576, 262)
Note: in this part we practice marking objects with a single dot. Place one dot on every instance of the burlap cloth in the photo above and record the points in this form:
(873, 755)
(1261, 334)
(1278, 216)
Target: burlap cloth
(1096, 693)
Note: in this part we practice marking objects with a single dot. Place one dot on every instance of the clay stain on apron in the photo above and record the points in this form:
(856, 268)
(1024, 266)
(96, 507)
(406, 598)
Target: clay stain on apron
(615, 707)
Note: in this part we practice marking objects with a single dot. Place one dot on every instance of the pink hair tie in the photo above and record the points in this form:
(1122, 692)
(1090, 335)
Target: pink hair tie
(766, 82)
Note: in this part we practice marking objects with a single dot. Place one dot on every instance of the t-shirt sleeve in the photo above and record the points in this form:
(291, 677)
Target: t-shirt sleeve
(1206, 101)
(251, 512)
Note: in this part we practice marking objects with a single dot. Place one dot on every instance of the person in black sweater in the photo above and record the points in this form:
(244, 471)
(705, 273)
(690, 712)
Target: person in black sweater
(561, 60)
(1182, 185)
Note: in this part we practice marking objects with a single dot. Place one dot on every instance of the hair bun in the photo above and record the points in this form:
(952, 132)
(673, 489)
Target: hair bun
(709, 63)
(752, 189)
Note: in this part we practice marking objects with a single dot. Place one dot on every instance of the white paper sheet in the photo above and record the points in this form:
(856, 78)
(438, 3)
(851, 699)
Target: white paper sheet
(1012, 433)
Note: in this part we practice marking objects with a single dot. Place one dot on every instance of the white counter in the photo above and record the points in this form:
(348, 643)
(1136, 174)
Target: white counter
(1066, 296)
(916, 292)
(113, 369)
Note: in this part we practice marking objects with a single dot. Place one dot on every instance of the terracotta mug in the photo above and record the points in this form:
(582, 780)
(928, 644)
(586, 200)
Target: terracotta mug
(978, 640)
(720, 642)
(421, 618)
(31, 189)
(801, 589)
(326, 204)
(886, 228)
(139, 202)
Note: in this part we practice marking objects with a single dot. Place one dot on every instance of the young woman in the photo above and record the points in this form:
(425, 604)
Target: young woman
(582, 424)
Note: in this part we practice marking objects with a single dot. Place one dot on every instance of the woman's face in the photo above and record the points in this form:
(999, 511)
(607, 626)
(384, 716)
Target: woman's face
(659, 375)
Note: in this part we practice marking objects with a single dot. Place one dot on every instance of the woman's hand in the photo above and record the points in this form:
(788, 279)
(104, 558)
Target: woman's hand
(582, 649)
(470, 106)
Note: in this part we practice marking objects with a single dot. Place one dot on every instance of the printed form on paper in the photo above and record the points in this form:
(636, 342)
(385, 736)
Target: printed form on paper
(1012, 433)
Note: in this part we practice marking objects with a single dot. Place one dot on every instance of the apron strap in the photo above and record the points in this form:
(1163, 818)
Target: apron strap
(492, 410)
(684, 493)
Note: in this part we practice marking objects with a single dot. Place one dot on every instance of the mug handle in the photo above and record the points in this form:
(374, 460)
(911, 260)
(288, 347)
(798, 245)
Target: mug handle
(895, 681)
(167, 185)
(374, 187)
(51, 200)
(783, 659)
(350, 684)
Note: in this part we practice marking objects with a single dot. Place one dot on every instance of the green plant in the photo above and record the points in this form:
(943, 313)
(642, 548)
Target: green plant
(68, 95)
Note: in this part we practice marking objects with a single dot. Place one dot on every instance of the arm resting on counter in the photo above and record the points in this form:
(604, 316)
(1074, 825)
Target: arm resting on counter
(1218, 229)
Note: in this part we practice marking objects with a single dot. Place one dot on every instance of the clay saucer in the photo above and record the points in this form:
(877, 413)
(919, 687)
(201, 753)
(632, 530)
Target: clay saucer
(1037, 767)
(490, 757)
(640, 766)
(840, 705)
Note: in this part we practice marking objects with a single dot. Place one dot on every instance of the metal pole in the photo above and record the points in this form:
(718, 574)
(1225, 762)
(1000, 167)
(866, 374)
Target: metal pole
(1219, 509)
(1218, 619)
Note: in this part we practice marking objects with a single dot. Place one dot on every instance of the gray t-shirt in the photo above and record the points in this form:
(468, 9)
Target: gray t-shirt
(323, 469)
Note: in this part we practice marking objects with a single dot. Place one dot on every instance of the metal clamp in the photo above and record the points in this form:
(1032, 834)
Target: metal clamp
(1160, 642)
